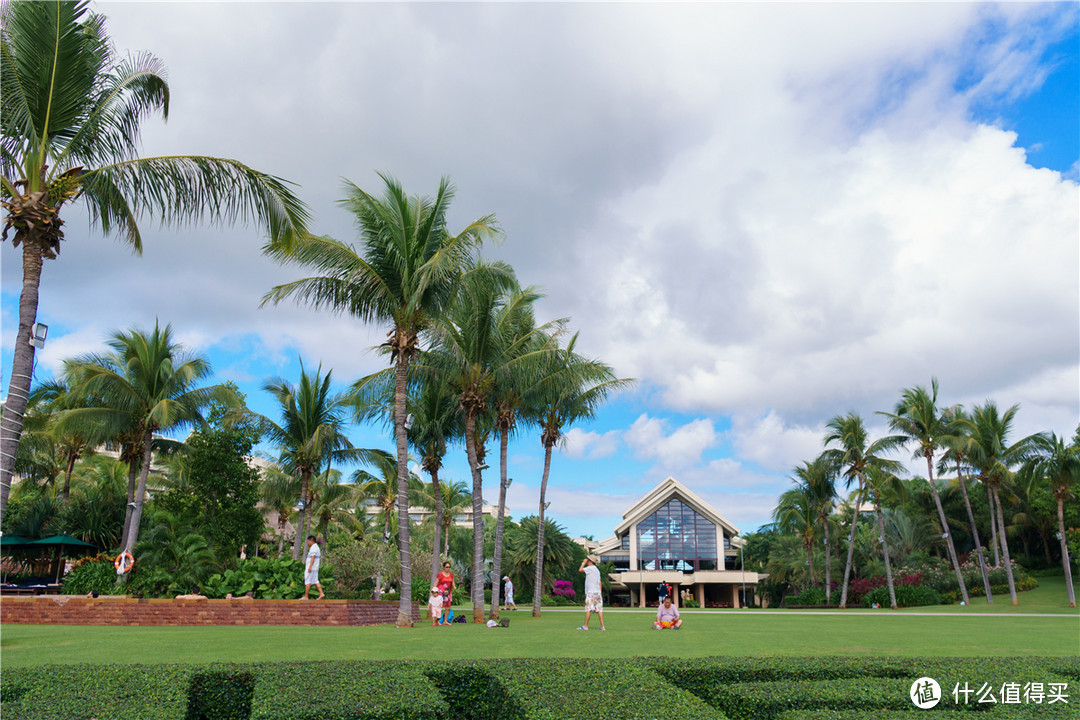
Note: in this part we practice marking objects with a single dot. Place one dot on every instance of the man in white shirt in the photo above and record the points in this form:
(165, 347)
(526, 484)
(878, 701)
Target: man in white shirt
(509, 585)
(311, 571)
(594, 601)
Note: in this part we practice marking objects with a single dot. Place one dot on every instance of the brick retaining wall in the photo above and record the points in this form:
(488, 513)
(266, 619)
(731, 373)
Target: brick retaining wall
(67, 610)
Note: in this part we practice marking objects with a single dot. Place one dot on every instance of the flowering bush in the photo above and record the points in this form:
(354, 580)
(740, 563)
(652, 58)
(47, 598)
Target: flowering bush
(860, 587)
(563, 588)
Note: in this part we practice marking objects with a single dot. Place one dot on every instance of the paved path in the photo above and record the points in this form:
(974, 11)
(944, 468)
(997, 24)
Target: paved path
(782, 613)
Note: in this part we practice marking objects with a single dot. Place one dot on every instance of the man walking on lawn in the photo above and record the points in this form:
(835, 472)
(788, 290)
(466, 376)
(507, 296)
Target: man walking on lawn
(311, 573)
(594, 601)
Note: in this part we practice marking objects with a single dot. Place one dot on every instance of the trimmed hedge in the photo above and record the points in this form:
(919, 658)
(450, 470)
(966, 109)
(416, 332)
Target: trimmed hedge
(767, 688)
(342, 690)
(906, 596)
(586, 689)
(96, 692)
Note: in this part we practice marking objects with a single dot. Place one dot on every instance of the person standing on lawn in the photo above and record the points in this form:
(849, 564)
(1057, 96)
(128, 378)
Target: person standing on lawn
(311, 571)
(435, 603)
(509, 593)
(594, 601)
(662, 591)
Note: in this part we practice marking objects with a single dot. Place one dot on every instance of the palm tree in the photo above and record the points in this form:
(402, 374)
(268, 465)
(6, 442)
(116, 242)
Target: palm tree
(311, 434)
(406, 276)
(150, 381)
(795, 515)
(333, 502)
(853, 455)
(956, 442)
(1060, 465)
(489, 350)
(71, 130)
(95, 510)
(435, 423)
(820, 481)
(879, 483)
(382, 489)
(993, 458)
(569, 390)
(278, 492)
(74, 439)
(917, 418)
(557, 553)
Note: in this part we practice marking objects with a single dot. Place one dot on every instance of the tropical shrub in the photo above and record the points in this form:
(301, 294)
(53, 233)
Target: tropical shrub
(906, 596)
(691, 604)
(556, 600)
(810, 596)
(89, 574)
(954, 596)
(563, 588)
(267, 578)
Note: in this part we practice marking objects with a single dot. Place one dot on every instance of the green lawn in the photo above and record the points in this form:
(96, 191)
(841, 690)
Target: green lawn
(554, 635)
(960, 631)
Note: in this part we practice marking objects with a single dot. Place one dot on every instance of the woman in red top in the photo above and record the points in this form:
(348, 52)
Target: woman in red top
(445, 582)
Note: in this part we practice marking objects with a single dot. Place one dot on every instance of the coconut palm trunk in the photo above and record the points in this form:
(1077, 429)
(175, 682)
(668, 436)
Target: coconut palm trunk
(282, 518)
(1065, 562)
(477, 589)
(140, 491)
(993, 526)
(885, 554)
(405, 346)
(436, 540)
(851, 546)
(298, 541)
(828, 562)
(538, 585)
(22, 368)
(975, 536)
(949, 546)
(1005, 546)
(496, 569)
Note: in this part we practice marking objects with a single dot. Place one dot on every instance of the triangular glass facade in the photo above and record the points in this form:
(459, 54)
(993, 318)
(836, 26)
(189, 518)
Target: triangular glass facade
(676, 537)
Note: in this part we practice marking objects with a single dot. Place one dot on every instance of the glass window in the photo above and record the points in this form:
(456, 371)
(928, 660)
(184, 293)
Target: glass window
(676, 537)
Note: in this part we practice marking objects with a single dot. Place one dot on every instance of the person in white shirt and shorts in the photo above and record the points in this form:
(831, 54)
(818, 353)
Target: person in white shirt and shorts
(594, 601)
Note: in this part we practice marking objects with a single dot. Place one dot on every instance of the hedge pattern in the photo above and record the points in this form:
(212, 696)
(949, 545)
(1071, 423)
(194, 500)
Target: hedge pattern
(767, 688)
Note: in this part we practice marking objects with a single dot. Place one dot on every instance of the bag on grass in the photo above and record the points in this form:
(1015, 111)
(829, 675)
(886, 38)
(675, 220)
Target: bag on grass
(459, 619)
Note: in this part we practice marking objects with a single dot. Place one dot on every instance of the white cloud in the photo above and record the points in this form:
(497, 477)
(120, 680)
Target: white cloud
(649, 438)
(577, 443)
(773, 444)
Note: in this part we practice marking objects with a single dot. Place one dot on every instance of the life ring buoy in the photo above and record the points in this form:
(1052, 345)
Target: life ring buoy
(123, 562)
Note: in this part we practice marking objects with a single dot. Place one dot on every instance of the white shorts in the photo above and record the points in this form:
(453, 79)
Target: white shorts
(594, 602)
(510, 599)
(311, 578)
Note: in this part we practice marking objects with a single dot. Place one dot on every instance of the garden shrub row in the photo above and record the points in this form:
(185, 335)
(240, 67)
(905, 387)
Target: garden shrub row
(766, 688)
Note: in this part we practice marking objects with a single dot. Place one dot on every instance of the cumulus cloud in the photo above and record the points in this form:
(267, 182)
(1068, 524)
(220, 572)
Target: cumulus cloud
(578, 443)
(649, 438)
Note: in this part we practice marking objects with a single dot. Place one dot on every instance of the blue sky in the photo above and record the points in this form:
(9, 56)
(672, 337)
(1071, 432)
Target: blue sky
(767, 214)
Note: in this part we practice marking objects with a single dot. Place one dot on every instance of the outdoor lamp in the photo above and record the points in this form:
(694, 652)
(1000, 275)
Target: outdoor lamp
(944, 536)
(299, 505)
(37, 335)
(409, 420)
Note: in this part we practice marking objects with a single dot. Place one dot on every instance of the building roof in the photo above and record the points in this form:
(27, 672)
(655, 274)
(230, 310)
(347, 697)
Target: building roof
(660, 495)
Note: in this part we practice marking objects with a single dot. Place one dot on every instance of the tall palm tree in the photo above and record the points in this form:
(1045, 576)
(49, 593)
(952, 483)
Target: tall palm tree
(480, 341)
(917, 418)
(71, 131)
(994, 459)
(1060, 465)
(879, 484)
(151, 381)
(311, 434)
(406, 275)
(852, 456)
(570, 389)
(333, 502)
(435, 423)
(956, 441)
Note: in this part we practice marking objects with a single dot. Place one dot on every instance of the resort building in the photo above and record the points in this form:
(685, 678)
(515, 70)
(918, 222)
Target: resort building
(671, 535)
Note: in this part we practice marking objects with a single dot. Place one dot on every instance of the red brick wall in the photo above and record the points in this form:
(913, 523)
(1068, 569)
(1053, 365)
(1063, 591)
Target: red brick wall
(63, 610)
